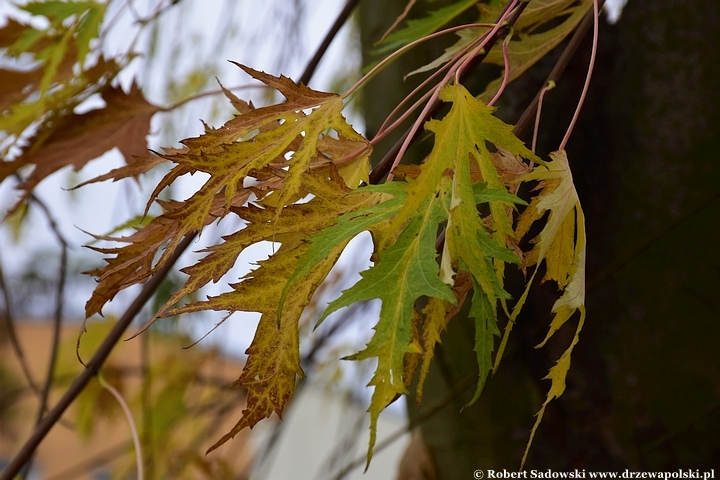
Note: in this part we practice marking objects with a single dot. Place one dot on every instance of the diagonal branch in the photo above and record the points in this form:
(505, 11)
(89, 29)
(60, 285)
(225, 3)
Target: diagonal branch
(17, 348)
(339, 22)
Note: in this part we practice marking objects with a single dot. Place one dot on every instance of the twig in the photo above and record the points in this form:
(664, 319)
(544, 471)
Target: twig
(17, 348)
(557, 71)
(131, 424)
(198, 96)
(94, 364)
(57, 317)
(397, 21)
(383, 167)
(320, 52)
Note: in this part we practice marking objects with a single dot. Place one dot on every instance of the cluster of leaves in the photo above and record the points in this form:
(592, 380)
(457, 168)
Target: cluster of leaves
(296, 173)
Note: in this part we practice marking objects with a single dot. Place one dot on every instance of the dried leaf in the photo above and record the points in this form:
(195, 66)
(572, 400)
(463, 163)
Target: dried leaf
(123, 124)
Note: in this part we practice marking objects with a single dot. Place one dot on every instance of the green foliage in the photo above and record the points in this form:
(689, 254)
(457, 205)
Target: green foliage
(417, 29)
(295, 173)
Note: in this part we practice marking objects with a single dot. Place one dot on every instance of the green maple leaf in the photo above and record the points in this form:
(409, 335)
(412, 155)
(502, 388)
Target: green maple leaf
(418, 28)
(461, 139)
(485, 332)
(405, 271)
(374, 205)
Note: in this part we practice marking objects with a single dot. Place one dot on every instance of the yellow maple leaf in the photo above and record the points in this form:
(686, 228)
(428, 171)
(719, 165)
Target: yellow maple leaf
(561, 245)
(281, 141)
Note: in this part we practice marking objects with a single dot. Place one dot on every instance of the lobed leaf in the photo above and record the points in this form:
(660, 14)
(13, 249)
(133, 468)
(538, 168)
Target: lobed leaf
(76, 139)
(561, 245)
(404, 272)
(258, 142)
(422, 27)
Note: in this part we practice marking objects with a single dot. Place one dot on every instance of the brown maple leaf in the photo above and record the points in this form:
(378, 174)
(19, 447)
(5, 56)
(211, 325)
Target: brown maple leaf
(123, 123)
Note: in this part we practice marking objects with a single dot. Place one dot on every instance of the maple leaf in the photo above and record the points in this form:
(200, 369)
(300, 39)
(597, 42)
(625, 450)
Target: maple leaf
(461, 138)
(50, 87)
(561, 245)
(404, 272)
(418, 28)
(133, 263)
(373, 205)
(258, 142)
(557, 244)
(404, 232)
(123, 124)
(273, 363)
(299, 221)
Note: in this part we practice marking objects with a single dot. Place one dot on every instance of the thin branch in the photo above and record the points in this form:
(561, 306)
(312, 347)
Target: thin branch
(94, 364)
(57, 316)
(397, 21)
(384, 166)
(557, 71)
(596, 21)
(339, 22)
(209, 93)
(17, 348)
(131, 424)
